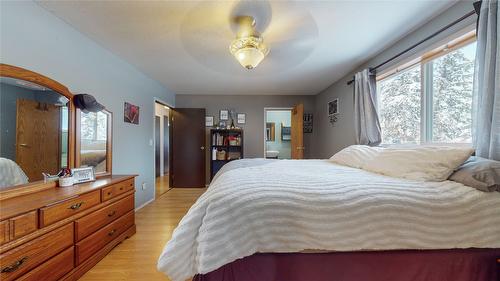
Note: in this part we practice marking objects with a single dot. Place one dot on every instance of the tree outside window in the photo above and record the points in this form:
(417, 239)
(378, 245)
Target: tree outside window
(436, 109)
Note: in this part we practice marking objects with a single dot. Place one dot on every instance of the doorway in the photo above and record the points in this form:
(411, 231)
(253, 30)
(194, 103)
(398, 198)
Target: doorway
(162, 146)
(283, 132)
(278, 125)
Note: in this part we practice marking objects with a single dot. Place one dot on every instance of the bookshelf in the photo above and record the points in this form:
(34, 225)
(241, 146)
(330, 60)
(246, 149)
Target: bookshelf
(225, 145)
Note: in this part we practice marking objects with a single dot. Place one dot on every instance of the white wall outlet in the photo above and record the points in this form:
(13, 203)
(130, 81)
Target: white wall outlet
(144, 186)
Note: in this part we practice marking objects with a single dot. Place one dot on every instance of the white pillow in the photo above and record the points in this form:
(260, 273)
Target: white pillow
(355, 156)
(424, 163)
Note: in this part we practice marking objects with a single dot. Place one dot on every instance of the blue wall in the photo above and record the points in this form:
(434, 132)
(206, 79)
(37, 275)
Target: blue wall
(8, 97)
(33, 38)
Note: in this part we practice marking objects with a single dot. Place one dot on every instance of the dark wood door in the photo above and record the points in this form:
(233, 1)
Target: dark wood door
(157, 146)
(166, 140)
(187, 147)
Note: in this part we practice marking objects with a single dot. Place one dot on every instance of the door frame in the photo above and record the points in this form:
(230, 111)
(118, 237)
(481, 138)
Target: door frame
(160, 101)
(266, 109)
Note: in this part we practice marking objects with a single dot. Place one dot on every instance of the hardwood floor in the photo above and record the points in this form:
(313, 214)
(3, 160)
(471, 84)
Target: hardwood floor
(136, 257)
(161, 185)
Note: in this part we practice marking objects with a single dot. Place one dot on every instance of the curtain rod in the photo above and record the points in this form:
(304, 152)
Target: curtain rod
(372, 69)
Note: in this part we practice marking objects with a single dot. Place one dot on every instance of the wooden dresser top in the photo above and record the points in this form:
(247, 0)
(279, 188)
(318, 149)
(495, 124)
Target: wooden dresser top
(25, 203)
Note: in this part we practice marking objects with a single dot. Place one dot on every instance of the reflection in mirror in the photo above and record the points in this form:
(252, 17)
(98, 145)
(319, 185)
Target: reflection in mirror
(94, 140)
(33, 131)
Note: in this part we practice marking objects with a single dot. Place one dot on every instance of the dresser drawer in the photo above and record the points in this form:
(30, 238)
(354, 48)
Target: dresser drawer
(93, 222)
(4, 232)
(93, 243)
(19, 226)
(52, 269)
(23, 224)
(20, 260)
(62, 210)
(117, 189)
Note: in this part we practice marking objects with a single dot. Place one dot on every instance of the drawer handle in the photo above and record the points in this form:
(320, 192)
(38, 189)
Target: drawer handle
(121, 188)
(109, 193)
(76, 206)
(111, 232)
(14, 266)
(112, 214)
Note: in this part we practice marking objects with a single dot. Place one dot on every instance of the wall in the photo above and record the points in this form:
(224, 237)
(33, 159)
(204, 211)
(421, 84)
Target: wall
(253, 106)
(279, 117)
(329, 138)
(35, 39)
(8, 98)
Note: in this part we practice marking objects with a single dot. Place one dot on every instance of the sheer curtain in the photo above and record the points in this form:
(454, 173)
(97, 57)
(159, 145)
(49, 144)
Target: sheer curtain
(366, 122)
(486, 101)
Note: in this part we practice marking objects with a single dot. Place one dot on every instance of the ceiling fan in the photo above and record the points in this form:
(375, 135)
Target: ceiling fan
(284, 33)
(248, 47)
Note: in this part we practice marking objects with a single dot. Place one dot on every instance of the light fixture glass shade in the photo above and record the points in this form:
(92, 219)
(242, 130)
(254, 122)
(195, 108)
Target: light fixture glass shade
(249, 57)
(249, 51)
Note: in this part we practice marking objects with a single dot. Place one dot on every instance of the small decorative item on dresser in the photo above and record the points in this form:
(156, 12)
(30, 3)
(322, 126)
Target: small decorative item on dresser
(83, 174)
(65, 177)
(241, 118)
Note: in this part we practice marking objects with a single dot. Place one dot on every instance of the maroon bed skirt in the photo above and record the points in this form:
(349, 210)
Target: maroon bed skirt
(408, 265)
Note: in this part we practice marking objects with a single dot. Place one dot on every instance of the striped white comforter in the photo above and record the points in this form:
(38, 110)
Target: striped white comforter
(294, 205)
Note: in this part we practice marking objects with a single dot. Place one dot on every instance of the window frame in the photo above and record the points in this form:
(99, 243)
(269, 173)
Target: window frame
(454, 42)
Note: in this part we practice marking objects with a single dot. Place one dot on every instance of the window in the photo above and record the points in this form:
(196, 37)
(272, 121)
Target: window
(430, 99)
(399, 107)
(93, 126)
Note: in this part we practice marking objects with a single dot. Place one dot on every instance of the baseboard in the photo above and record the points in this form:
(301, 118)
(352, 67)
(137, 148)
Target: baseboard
(143, 205)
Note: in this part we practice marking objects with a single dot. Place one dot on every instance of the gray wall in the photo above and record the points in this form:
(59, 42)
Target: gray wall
(35, 39)
(253, 106)
(329, 138)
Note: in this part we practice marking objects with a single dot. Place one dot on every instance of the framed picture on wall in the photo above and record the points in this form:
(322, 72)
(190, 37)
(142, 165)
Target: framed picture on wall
(308, 122)
(131, 113)
(241, 118)
(209, 121)
(224, 115)
(333, 107)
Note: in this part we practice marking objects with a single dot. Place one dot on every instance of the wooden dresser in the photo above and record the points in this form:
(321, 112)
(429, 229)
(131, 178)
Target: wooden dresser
(62, 232)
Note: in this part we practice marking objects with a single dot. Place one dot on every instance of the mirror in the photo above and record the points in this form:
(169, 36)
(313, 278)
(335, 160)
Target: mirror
(34, 129)
(94, 141)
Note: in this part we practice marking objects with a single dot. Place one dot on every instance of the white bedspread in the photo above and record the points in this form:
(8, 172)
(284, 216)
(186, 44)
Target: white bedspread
(294, 205)
(11, 174)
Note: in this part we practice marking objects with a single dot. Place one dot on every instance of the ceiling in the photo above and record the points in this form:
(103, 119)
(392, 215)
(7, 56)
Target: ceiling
(184, 44)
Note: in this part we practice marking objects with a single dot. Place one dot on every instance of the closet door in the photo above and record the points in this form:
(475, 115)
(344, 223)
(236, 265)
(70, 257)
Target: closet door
(188, 147)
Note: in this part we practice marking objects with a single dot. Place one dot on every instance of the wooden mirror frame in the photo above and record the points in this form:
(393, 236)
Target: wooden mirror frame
(109, 142)
(36, 78)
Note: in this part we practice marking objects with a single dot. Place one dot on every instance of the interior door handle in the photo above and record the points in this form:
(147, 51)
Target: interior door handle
(23, 144)
(202, 148)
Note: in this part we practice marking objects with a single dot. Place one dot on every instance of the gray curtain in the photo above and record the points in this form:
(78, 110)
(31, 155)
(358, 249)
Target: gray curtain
(486, 95)
(367, 125)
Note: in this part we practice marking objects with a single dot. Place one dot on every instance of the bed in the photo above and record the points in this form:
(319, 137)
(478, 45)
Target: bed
(289, 219)
(11, 174)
